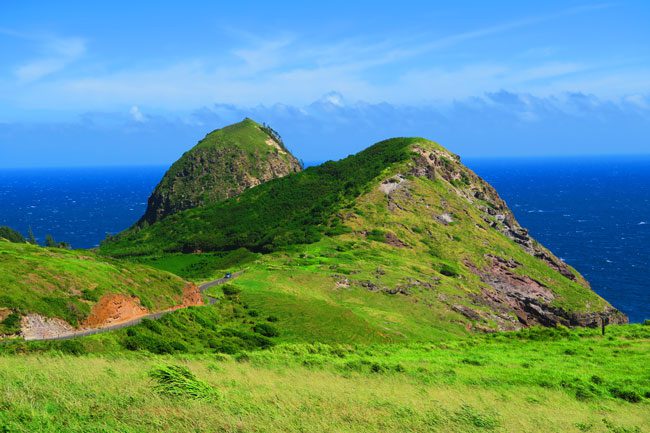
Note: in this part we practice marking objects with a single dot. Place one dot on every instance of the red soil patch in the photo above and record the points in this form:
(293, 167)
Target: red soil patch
(112, 309)
(191, 296)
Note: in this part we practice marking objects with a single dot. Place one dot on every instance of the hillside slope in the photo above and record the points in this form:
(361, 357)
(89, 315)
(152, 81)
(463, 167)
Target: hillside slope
(225, 163)
(54, 290)
(399, 241)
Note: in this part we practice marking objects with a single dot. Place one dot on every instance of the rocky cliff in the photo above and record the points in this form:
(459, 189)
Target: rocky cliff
(513, 297)
(222, 165)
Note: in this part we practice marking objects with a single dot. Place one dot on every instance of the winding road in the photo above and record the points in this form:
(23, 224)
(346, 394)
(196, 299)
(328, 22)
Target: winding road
(153, 316)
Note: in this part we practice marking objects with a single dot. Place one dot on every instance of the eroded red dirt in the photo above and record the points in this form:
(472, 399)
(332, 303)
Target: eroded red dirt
(114, 308)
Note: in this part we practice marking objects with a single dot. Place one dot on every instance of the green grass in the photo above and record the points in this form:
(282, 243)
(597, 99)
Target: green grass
(59, 283)
(408, 274)
(550, 380)
(290, 210)
(224, 163)
(230, 326)
(199, 266)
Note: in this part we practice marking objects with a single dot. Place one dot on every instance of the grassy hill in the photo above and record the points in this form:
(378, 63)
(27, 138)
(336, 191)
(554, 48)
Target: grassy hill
(225, 163)
(398, 242)
(59, 283)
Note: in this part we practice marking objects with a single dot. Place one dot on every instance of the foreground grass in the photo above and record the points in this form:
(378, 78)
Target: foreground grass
(542, 380)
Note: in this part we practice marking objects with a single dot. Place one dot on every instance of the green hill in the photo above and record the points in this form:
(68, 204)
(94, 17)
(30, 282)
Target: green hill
(62, 284)
(398, 242)
(225, 163)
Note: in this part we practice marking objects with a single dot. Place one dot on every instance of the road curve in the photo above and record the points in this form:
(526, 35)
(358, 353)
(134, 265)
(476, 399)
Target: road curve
(153, 316)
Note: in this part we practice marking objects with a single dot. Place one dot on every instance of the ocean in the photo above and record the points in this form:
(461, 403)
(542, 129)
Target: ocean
(594, 213)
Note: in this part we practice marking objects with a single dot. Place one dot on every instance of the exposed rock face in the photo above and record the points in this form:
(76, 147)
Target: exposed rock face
(513, 298)
(222, 165)
(531, 300)
(35, 326)
(481, 194)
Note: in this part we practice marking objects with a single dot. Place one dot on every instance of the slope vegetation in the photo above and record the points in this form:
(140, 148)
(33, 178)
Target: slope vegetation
(225, 163)
(399, 241)
(61, 288)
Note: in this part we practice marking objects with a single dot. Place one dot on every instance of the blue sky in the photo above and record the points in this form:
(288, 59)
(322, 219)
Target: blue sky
(140, 82)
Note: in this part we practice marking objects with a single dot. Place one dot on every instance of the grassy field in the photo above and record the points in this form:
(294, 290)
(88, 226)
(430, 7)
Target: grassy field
(551, 380)
(55, 282)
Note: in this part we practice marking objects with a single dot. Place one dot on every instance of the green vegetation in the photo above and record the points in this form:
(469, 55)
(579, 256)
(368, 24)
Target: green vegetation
(60, 283)
(225, 163)
(551, 380)
(367, 296)
(178, 381)
(11, 235)
(225, 327)
(292, 210)
(199, 266)
(385, 245)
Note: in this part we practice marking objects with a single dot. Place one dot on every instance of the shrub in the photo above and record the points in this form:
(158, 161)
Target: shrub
(626, 394)
(272, 319)
(229, 290)
(11, 235)
(11, 324)
(178, 381)
(266, 330)
(377, 235)
(448, 271)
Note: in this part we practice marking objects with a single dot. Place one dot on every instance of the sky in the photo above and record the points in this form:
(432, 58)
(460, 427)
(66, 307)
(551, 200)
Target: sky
(138, 83)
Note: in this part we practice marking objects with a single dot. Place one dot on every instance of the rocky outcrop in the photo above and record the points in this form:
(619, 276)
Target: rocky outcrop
(530, 300)
(508, 297)
(37, 327)
(479, 193)
(222, 165)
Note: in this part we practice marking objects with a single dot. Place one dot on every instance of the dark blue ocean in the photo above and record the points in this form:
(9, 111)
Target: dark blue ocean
(593, 213)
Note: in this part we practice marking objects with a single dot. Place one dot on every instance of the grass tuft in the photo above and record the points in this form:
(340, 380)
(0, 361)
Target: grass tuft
(179, 381)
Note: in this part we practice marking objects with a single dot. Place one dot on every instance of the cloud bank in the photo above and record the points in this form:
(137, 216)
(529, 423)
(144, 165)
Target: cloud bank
(494, 124)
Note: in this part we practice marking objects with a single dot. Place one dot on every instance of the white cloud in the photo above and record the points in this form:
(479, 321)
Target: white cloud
(137, 115)
(58, 52)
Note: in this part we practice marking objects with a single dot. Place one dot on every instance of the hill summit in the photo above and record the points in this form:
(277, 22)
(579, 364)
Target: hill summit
(225, 163)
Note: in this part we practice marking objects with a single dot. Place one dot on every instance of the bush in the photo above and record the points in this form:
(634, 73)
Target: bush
(266, 330)
(229, 290)
(626, 394)
(272, 319)
(11, 235)
(448, 271)
(71, 347)
(11, 324)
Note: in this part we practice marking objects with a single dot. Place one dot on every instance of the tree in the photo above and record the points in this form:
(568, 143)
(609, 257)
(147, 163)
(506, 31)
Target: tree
(50, 242)
(11, 235)
(30, 236)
